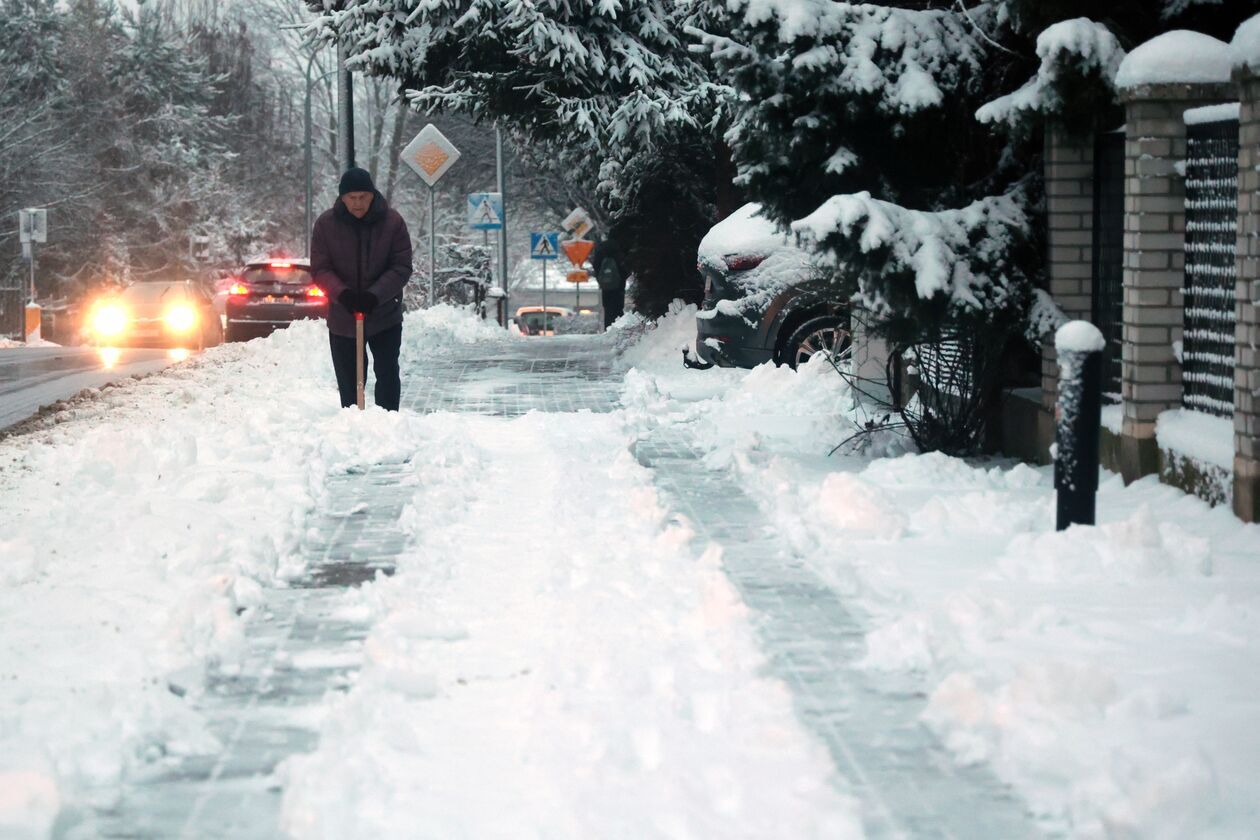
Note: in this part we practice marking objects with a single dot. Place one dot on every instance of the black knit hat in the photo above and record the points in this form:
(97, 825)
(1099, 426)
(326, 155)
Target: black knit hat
(356, 180)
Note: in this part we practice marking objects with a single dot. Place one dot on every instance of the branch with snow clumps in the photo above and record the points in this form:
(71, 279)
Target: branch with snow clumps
(962, 257)
(1070, 51)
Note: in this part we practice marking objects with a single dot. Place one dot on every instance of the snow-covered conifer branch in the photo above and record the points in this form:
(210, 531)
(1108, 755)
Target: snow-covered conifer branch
(1077, 56)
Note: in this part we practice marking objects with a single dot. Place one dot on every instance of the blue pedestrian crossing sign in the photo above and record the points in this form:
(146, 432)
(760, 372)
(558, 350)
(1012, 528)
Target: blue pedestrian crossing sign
(485, 211)
(544, 246)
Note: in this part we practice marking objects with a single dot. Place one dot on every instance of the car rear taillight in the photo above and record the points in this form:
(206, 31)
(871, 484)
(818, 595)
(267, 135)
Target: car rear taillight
(743, 262)
(315, 292)
(281, 264)
(238, 290)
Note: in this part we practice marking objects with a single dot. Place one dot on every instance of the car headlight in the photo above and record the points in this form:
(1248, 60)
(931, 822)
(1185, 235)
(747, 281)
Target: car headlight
(109, 320)
(181, 317)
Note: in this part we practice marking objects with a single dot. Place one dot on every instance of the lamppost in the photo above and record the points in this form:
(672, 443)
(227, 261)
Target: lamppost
(310, 187)
(345, 118)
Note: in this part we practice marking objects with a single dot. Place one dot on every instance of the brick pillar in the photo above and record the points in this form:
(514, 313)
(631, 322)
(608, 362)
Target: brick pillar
(1069, 173)
(1247, 330)
(1154, 260)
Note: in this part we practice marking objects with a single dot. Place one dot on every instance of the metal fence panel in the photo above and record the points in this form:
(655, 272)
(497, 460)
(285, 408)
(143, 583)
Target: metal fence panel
(12, 310)
(1108, 255)
(1207, 361)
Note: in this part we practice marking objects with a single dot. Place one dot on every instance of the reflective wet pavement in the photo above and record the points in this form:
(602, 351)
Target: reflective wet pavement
(34, 377)
(299, 648)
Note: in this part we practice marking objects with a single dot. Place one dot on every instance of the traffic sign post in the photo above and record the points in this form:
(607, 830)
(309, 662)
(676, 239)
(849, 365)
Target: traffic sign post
(578, 223)
(430, 155)
(485, 211)
(32, 228)
(545, 247)
(577, 250)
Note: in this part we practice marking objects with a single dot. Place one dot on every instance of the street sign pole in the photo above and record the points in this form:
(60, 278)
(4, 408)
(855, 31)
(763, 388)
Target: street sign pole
(432, 246)
(544, 312)
(503, 255)
(32, 228)
(430, 155)
(345, 109)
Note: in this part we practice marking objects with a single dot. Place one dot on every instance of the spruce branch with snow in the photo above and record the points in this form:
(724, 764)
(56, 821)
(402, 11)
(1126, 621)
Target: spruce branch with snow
(925, 275)
(1074, 83)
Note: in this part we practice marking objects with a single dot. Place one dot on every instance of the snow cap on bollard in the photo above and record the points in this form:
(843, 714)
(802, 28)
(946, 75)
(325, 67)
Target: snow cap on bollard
(1079, 337)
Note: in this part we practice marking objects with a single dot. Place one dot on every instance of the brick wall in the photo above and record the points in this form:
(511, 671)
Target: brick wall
(1247, 334)
(1154, 260)
(1069, 174)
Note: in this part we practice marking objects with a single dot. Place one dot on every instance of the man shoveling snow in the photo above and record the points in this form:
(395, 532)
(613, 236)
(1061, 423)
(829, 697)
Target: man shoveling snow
(361, 258)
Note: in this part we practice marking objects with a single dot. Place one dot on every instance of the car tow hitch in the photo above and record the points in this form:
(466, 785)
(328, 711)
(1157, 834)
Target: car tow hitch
(692, 363)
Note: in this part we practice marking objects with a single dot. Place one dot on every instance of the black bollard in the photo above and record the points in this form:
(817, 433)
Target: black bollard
(1078, 416)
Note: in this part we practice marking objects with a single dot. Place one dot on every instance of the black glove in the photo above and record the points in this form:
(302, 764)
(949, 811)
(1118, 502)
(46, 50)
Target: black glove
(349, 298)
(367, 302)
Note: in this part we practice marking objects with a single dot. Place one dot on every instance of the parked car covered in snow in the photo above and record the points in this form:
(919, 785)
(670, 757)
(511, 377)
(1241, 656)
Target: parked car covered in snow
(765, 298)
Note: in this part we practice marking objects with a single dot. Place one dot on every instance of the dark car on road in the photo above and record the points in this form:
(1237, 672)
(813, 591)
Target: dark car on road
(765, 298)
(154, 313)
(270, 294)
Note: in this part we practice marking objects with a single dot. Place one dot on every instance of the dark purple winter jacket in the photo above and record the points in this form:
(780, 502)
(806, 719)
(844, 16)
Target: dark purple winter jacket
(371, 254)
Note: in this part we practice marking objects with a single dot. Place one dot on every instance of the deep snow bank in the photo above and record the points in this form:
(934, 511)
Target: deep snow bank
(1108, 674)
(141, 528)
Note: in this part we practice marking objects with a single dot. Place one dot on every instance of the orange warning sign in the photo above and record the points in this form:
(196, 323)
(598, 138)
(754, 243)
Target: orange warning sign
(578, 276)
(577, 250)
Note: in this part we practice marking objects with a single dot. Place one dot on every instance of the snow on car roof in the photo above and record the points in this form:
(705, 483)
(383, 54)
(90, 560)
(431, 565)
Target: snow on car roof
(743, 232)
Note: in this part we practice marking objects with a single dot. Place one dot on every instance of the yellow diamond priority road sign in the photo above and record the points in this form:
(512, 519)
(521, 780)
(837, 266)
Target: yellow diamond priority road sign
(430, 154)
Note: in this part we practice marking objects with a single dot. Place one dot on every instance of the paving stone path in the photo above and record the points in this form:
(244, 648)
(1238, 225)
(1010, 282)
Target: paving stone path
(908, 785)
(298, 650)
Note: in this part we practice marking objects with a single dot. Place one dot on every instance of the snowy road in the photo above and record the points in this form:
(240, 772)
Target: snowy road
(558, 597)
(31, 378)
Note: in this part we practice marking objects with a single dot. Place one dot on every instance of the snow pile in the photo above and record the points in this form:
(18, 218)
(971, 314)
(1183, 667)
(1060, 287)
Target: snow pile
(1078, 47)
(1193, 434)
(1095, 670)
(140, 530)
(1245, 44)
(440, 329)
(1136, 548)
(13, 344)
(1177, 57)
(655, 345)
(509, 689)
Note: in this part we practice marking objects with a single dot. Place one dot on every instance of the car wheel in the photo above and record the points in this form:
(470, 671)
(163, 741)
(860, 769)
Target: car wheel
(826, 334)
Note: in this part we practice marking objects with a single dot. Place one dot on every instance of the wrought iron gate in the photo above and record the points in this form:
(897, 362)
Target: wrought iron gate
(1108, 262)
(1207, 362)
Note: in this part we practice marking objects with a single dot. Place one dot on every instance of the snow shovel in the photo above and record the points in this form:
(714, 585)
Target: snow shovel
(358, 360)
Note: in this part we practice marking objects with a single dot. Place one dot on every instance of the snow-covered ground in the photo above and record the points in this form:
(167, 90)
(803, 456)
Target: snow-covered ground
(532, 675)
(1109, 674)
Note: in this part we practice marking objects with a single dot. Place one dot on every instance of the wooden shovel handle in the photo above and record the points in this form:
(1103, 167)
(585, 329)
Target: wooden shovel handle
(360, 399)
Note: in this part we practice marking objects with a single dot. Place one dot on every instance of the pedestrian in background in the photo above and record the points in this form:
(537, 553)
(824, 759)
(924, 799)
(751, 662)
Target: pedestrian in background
(361, 258)
(608, 264)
